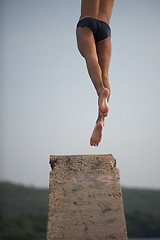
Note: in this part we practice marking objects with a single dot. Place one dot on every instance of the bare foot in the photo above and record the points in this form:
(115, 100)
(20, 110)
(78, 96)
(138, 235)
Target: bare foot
(102, 102)
(97, 132)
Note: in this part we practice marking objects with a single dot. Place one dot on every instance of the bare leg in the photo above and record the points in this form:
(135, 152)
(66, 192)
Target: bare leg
(87, 48)
(104, 49)
(104, 56)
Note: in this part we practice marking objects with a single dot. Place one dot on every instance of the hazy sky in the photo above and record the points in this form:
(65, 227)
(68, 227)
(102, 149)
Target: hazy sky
(48, 104)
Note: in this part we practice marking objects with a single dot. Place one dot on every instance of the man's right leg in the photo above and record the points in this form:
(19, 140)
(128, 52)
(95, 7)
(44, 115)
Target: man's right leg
(104, 49)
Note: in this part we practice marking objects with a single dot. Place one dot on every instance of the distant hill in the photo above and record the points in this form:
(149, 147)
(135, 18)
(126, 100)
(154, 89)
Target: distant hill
(142, 212)
(23, 212)
(18, 199)
(141, 199)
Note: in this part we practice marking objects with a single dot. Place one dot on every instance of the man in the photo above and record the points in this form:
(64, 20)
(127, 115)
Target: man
(94, 43)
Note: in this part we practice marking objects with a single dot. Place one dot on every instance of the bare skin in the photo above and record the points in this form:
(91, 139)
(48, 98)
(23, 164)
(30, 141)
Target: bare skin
(97, 56)
(97, 131)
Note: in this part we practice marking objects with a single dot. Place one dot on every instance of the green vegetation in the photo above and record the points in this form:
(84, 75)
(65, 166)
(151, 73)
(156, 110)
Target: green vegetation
(23, 227)
(23, 212)
(18, 199)
(141, 199)
(142, 212)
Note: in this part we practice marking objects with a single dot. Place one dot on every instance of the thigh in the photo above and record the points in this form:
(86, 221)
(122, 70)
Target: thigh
(104, 50)
(86, 43)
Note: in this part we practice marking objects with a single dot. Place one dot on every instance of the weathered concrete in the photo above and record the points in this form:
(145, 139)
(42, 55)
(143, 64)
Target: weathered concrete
(85, 199)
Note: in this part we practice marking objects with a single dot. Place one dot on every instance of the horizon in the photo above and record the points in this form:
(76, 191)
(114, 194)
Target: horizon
(47, 188)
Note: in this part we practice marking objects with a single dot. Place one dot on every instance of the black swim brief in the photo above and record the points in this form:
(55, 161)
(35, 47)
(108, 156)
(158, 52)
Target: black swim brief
(100, 29)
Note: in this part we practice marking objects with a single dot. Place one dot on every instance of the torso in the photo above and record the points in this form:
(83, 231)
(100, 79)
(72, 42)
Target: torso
(89, 8)
(98, 9)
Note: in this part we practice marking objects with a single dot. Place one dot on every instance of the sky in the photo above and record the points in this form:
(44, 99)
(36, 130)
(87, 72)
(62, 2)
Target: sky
(48, 104)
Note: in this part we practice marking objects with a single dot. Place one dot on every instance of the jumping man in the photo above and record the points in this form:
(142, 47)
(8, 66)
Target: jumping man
(94, 43)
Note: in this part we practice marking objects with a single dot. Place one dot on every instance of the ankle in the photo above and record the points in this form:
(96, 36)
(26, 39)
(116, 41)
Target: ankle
(100, 118)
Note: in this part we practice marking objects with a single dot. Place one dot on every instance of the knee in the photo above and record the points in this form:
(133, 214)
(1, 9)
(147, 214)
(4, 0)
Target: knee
(91, 59)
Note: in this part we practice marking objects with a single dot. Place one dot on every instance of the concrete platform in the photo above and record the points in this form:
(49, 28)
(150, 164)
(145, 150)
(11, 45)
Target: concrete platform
(85, 199)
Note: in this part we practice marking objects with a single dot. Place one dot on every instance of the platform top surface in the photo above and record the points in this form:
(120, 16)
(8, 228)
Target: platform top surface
(87, 158)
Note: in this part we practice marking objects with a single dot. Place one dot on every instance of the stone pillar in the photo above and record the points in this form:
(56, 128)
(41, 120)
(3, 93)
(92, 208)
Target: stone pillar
(85, 199)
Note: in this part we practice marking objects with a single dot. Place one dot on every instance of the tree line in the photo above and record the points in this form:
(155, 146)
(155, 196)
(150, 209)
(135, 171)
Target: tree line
(24, 210)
